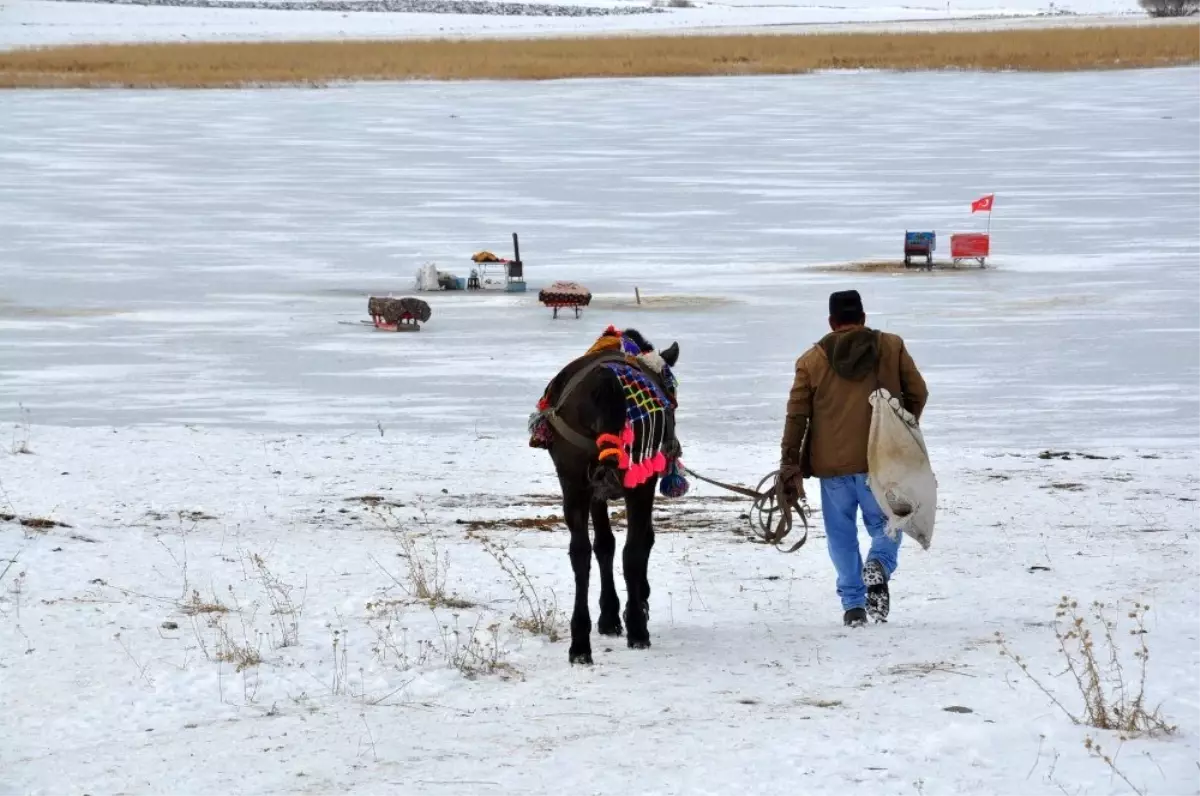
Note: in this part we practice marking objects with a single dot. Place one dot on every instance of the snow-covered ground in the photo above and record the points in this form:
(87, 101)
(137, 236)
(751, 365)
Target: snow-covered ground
(182, 276)
(47, 22)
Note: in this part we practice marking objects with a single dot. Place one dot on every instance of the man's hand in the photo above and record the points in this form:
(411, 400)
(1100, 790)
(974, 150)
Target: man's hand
(791, 478)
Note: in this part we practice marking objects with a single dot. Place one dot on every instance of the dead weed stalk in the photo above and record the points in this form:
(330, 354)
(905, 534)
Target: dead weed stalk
(427, 566)
(21, 433)
(285, 611)
(392, 646)
(339, 642)
(474, 651)
(538, 613)
(1112, 699)
(1093, 748)
(197, 605)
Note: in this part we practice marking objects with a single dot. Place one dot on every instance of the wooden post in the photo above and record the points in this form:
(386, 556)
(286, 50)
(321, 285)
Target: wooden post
(638, 294)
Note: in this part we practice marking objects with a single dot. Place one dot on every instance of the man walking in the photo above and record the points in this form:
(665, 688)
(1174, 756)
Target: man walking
(828, 422)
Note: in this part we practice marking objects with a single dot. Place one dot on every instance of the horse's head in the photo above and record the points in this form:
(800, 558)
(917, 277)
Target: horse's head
(659, 363)
(653, 359)
(670, 354)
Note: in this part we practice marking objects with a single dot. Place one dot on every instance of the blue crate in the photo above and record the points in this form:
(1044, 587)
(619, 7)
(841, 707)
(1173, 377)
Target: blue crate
(920, 242)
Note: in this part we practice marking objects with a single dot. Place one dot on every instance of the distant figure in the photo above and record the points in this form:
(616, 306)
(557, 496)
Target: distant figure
(828, 400)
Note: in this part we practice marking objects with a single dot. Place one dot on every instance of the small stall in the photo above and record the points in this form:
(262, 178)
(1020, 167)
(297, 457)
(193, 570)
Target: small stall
(971, 246)
(919, 244)
(565, 295)
(490, 272)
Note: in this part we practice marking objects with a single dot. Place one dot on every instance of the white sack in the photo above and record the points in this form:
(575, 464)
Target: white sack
(427, 277)
(900, 477)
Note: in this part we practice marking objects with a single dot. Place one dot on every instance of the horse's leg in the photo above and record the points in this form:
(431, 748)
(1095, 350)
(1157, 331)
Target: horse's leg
(576, 499)
(606, 546)
(646, 580)
(639, 506)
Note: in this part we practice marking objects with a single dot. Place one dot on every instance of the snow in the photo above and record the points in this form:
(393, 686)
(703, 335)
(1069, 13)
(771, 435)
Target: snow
(176, 268)
(25, 23)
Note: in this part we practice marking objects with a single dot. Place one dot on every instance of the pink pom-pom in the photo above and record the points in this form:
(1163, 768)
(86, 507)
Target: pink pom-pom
(630, 480)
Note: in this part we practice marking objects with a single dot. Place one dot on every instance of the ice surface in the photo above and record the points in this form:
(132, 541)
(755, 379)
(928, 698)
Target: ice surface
(214, 241)
(181, 280)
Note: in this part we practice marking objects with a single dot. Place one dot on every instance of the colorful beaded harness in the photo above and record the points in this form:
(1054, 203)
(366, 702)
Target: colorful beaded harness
(641, 449)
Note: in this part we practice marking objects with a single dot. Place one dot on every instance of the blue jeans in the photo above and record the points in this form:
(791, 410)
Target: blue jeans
(840, 500)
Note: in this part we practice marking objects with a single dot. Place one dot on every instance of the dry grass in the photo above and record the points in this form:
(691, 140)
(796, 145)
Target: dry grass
(196, 605)
(551, 523)
(214, 65)
(1112, 698)
(33, 523)
(539, 612)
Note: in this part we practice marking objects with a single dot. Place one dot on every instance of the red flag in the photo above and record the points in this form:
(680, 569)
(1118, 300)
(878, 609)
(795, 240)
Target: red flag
(983, 204)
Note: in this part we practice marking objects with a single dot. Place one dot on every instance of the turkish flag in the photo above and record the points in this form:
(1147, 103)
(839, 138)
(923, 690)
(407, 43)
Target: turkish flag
(983, 204)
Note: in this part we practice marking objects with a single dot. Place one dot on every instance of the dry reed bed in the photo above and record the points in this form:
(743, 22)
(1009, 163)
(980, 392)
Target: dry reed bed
(217, 65)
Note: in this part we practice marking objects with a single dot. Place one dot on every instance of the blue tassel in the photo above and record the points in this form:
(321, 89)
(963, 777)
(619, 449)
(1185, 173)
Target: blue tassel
(673, 484)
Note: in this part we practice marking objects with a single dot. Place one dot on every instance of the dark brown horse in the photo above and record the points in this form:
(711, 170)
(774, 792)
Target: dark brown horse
(604, 450)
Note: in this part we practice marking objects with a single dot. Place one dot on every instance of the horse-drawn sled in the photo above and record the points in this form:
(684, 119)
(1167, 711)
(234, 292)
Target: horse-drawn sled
(398, 314)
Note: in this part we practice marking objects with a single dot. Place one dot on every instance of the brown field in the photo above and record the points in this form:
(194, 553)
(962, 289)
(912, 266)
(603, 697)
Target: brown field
(200, 65)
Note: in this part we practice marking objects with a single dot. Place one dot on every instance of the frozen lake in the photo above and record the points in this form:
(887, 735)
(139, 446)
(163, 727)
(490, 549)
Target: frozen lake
(204, 258)
(171, 257)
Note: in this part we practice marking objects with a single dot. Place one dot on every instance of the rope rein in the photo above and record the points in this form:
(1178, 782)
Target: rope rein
(766, 505)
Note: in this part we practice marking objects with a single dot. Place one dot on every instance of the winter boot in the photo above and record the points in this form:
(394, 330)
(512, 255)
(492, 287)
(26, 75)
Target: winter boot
(855, 617)
(878, 599)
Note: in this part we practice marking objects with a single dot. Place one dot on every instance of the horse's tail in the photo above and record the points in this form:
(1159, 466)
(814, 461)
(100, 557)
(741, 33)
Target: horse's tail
(607, 399)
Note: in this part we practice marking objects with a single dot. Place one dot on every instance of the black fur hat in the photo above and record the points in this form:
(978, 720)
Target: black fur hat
(845, 305)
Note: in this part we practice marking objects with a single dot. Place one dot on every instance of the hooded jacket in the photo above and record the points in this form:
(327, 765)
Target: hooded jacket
(829, 395)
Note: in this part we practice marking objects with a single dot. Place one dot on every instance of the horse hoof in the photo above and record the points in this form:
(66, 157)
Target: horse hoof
(584, 658)
(615, 629)
(639, 643)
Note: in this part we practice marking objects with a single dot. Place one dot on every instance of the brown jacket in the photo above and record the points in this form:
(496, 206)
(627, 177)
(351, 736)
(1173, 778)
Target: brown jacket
(829, 399)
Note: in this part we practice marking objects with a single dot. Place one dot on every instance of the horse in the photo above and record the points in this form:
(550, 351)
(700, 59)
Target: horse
(608, 421)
